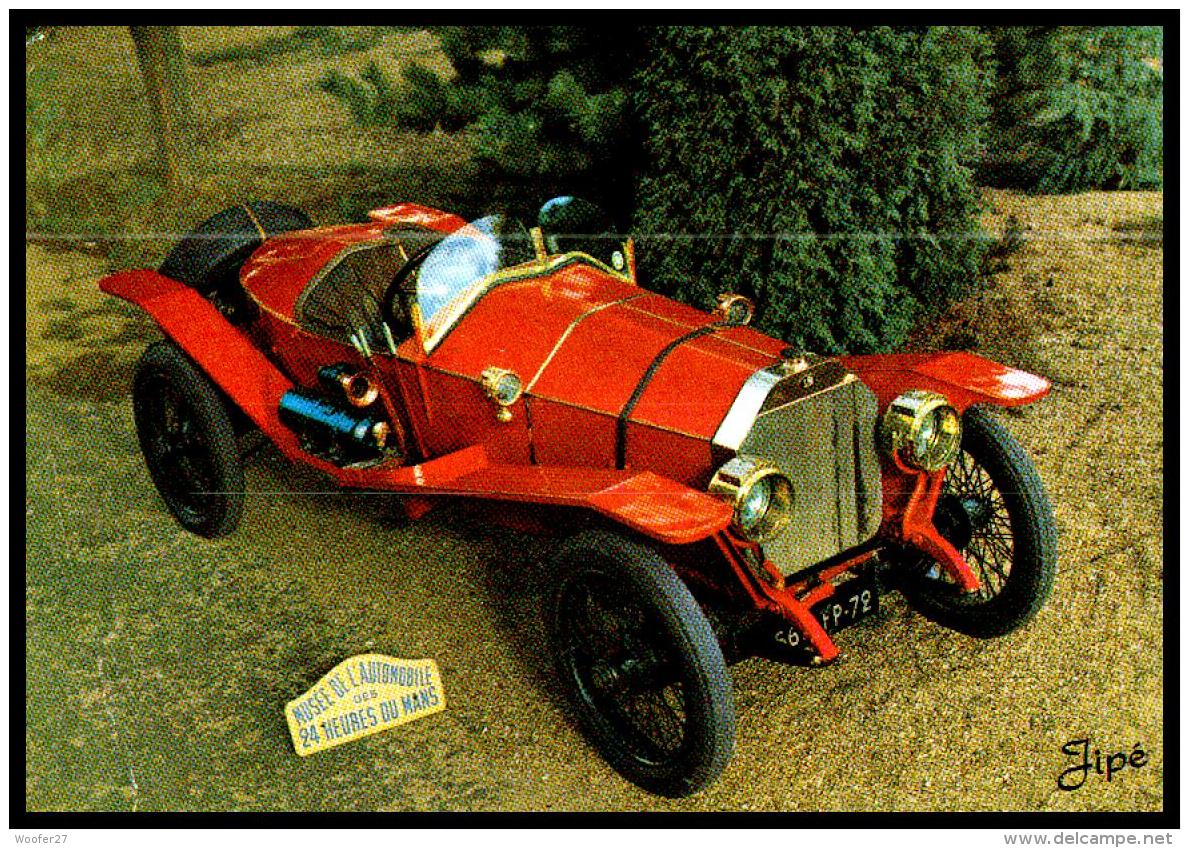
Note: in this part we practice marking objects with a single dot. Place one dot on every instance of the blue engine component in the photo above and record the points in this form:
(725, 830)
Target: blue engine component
(332, 429)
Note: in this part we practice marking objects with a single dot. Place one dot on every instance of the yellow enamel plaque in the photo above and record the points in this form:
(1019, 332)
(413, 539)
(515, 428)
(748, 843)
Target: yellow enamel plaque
(361, 696)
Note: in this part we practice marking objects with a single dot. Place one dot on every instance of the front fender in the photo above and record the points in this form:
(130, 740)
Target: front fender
(964, 378)
(910, 496)
(655, 506)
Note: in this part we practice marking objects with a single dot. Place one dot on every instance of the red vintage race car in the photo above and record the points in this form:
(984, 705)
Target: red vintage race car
(724, 495)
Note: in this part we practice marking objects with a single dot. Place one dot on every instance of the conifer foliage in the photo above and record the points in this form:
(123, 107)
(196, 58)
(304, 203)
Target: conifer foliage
(828, 172)
(1076, 108)
(544, 102)
(820, 170)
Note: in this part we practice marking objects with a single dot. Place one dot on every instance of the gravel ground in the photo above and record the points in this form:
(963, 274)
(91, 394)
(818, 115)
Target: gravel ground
(159, 664)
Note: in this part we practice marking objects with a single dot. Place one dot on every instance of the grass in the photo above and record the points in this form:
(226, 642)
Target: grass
(68, 200)
(90, 178)
(1145, 231)
(98, 211)
(323, 40)
(97, 716)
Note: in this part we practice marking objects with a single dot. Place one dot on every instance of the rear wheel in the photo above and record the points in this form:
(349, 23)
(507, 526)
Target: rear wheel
(641, 665)
(994, 510)
(189, 445)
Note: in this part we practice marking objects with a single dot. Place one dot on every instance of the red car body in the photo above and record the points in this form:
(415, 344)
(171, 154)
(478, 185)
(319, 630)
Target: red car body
(625, 396)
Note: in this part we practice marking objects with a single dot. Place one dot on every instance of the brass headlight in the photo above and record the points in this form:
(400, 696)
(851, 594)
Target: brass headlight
(761, 495)
(923, 429)
(504, 387)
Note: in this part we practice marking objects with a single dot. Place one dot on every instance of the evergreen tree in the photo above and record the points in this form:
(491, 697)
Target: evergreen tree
(1077, 108)
(547, 105)
(820, 170)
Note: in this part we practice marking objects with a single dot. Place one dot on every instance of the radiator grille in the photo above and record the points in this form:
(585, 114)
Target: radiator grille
(825, 443)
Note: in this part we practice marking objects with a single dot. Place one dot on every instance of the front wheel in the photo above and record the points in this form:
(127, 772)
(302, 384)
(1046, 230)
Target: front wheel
(641, 665)
(994, 510)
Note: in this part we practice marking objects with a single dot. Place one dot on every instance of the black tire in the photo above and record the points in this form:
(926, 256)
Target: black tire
(995, 511)
(189, 445)
(626, 632)
(209, 258)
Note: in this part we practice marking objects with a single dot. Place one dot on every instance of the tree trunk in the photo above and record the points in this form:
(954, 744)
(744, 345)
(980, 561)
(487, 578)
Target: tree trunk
(163, 66)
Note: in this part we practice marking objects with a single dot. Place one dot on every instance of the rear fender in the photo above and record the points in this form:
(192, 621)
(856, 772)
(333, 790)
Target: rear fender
(964, 378)
(417, 215)
(222, 351)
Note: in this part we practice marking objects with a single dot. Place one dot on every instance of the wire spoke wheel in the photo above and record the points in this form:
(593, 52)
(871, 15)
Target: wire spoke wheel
(618, 661)
(188, 442)
(973, 516)
(640, 664)
(994, 510)
(179, 447)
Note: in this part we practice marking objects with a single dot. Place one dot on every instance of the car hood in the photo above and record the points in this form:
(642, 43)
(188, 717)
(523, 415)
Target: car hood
(582, 338)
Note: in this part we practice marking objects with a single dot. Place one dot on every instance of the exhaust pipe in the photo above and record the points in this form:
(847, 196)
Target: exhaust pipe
(359, 389)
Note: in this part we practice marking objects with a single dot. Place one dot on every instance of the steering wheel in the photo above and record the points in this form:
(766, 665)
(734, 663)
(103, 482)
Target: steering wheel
(398, 280)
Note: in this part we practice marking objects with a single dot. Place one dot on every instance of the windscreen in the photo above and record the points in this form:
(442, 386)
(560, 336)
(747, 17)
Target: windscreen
(454, 273)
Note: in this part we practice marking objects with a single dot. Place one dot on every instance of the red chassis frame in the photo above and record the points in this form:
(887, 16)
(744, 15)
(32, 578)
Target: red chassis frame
(664, 510)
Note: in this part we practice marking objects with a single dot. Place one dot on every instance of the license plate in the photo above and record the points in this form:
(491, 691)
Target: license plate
(852, 601)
